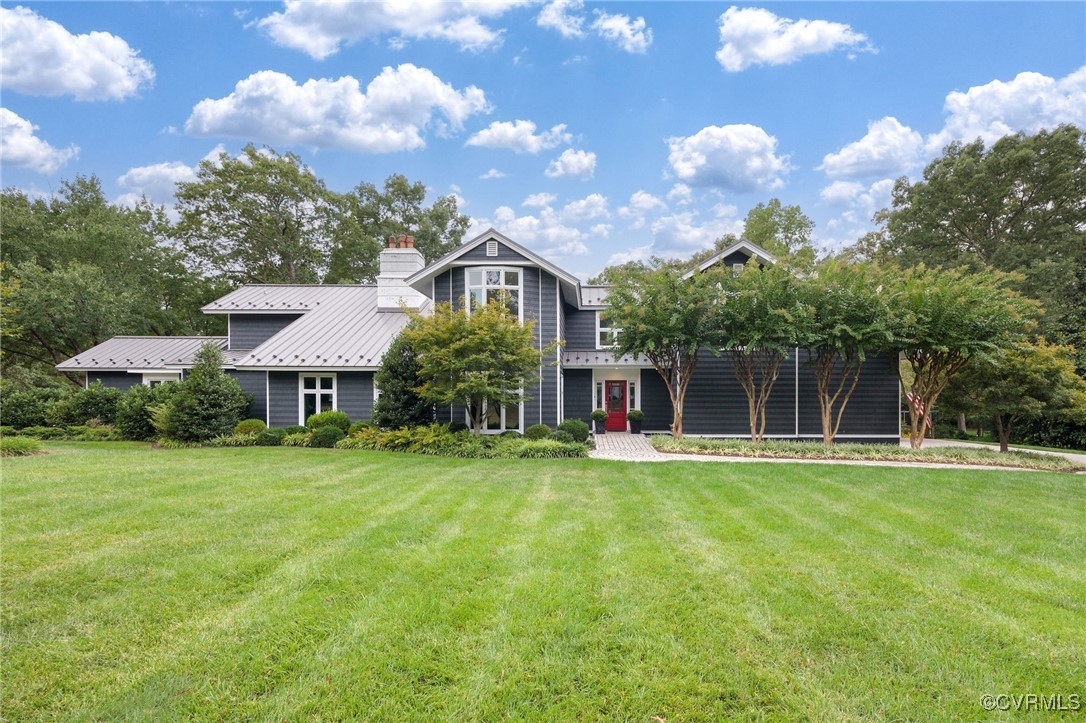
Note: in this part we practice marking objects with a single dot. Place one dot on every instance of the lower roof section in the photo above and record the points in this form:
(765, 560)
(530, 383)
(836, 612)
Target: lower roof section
(586, 359)
(142, 352)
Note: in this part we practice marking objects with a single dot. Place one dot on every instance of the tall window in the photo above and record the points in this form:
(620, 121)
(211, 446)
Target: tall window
(487, 285)
(501, 419)
(318, 394)
(606, 335)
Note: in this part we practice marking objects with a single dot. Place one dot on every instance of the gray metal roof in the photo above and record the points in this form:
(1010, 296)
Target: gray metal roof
(273, 298)
(141, 352)
(595, 295)
(581, 359)
(343, 329)
(742, 244)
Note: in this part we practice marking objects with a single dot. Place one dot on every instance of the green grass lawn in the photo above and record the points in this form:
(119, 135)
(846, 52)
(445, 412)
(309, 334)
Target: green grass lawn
(288, 584)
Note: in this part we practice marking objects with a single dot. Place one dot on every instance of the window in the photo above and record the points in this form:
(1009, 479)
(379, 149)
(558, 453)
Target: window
(153, 380)
(599, 395)
(606, 335)
(738, 267)
(498, 419)
(487, 285)
(631, 396)
(318, 394)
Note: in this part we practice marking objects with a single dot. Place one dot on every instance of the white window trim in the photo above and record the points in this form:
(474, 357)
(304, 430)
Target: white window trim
(162, 377)
(520, 420)
(301, 392)
(502, 269)
(599, 329)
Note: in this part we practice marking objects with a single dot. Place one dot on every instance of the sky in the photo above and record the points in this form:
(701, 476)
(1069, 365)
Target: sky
(591, 133)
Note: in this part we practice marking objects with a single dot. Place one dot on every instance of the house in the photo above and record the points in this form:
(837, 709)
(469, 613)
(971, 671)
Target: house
(303, 348)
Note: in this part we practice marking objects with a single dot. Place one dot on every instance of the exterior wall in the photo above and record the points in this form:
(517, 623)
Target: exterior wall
(735, 257)
(548, 327)
(248, 331)
(580, 328)
(505, 255)
(254, 383)
(532, 280)
(354, 395)
(117, 379)
(717, 406)
(578, 391)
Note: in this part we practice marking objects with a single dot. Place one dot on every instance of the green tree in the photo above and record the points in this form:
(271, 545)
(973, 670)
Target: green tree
(399, 404)
(847, 320)
(1031, 380)
(762, 316)
(668, 319)
(784, 231)
(483, 359)
(940, 321)
(78, 269)
(371, 215)
(259, 218)
(207, 403)
(1018, 206)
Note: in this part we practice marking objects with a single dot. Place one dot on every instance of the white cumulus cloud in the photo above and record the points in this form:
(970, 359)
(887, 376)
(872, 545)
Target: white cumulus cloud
(158, 181)
(631, 35)
(1029, 102)
(557, 15)
(20, 147)
(539, 200)
(888, 148)
(321, 27)
(640, 204)
(594, 205)
(755, 36)
(390, 115)
(492, 173)
(681, 194)
(545, 233)
(40, 57)
(573, 164)
(840, 193)
(519, 136)
(685, 231)
(734, 157)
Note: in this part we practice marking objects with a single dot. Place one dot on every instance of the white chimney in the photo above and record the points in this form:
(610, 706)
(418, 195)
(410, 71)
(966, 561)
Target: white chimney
(400, 260)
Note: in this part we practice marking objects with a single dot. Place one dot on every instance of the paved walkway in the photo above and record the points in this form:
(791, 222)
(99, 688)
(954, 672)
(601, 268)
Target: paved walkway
(626, 447)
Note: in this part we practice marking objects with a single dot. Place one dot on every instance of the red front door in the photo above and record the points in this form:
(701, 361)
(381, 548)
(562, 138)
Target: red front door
(615, 393)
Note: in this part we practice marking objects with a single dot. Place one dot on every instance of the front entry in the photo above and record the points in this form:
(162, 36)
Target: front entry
(615, 394)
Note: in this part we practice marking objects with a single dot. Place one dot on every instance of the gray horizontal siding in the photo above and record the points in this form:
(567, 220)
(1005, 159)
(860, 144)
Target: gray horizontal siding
(577, 387)
(872, 409)
(505, 255)
(548, 327)
(655, 402)
(354, 394)
(116, 380)
(254, 383)
(534, 394)
(282, 399)
(580, 328)
(248, 331)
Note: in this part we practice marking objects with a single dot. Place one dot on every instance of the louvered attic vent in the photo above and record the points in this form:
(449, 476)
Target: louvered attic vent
(491, 248)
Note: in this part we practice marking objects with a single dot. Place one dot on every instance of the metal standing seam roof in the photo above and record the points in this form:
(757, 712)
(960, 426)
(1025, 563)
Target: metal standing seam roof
(343, 329)
(283, 298)
(581, 359)
(595, 294)
(141, 352)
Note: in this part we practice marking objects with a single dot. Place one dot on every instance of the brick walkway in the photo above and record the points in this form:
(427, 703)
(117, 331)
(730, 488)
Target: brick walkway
(626, 447)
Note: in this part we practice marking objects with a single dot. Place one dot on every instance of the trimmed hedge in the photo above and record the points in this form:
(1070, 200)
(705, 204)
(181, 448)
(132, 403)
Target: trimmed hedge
(250, 427)
(326, 436)
(438, 439)
(576, 428)
(331, 418)
(537, 431)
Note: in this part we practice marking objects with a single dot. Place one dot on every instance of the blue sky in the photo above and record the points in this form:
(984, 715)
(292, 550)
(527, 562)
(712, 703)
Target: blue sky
(591, 133)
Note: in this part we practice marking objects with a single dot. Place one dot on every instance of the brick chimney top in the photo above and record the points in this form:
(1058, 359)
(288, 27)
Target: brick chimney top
(401, 242)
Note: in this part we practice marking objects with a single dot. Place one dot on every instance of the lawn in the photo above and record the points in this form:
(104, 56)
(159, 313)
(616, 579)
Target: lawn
(274, 583)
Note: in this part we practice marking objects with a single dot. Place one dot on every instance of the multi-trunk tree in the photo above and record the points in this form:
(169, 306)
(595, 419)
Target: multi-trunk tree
(668, 318)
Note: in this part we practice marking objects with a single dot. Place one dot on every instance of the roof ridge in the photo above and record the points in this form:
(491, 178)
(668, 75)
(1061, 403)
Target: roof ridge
(163, 336)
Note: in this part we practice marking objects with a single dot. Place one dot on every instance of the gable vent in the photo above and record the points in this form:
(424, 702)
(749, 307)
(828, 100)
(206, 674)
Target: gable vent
(491, 248)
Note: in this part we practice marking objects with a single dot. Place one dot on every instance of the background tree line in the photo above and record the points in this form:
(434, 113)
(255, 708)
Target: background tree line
(77, 269)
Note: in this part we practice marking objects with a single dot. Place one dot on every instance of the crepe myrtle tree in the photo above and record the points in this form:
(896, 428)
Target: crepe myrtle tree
(847, 320)
(763, 316)
(668, 319)
(483, 358)
(942, 320)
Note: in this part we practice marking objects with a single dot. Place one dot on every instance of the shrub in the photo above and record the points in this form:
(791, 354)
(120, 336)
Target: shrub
(234, 440)
(562, 435)
(270, 437)
(635, 415)
(510, 434)
(208, 403)
(4, 430)
(437, 439)
(399, 404)
(577, 428)
(19, 446)
(295, 429)
(360, 424)
(297, 439)
(167, 443)
(537, 431)
(134, 420)
(457, 426)
(599, 415)
(326, 436)
(45, 432)
(250, 427)
(331, 418)
(94, 402)
(30, 407)
(102, 433)
(551, 449)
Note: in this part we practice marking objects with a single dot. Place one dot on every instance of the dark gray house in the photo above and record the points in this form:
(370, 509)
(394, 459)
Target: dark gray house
(302, 348)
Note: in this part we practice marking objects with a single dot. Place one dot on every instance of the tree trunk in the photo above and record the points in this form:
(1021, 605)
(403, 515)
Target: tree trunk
(1003, 431)
(961, 421)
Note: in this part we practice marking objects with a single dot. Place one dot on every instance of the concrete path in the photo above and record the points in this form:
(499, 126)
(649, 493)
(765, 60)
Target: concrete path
(1074, 457)
(626, 447)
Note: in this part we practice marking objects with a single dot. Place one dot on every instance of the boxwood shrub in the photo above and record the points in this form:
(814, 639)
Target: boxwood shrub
(331, 418)
(576, 428)
(326, 436)
(537, 431)
(250, 427)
